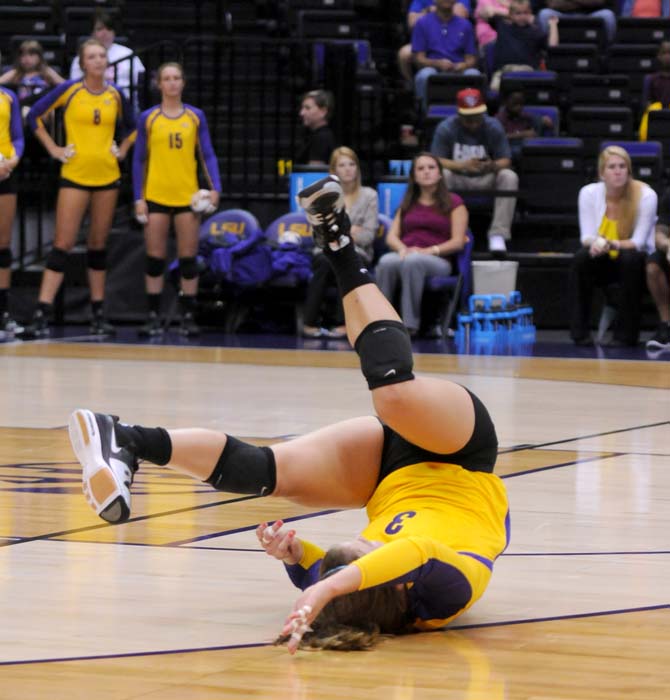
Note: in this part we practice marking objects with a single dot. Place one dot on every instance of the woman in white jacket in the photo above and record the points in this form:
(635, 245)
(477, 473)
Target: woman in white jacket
(616, 224)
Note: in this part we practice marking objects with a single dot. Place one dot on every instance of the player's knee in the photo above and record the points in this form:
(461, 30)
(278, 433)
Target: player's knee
(96, 259)
(188, 268)
(5, 258)
(244, 468)
(56, 260)
(390, 402)
(385, 351)
(154, 267)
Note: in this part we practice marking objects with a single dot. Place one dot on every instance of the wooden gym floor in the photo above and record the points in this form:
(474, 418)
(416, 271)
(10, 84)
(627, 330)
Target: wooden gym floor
(181, 603)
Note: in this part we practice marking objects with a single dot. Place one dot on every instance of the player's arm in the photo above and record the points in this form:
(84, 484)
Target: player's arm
(209, 163)
(300, 557)
(52, 100)
(16, 132)
(126, 124)
(139, 167)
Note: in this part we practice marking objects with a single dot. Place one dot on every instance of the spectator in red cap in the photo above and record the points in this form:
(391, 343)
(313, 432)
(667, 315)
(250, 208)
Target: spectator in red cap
(442, 43)
(475, 154)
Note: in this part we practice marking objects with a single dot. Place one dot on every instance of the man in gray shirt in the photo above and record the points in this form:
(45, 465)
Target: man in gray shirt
(475, 154)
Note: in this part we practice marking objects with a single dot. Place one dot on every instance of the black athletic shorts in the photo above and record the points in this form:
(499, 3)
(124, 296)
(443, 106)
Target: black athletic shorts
(661, 259)
(478, 455)
(155, 208)
(9, 185)
(64, 182)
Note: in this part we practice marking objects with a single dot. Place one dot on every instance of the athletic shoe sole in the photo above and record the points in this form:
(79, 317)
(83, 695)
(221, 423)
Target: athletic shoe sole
(657, 345)
(101, 486)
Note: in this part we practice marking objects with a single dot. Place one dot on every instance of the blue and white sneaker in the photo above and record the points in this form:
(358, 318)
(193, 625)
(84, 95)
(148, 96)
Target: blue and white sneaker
(323, 203)
(107, 469)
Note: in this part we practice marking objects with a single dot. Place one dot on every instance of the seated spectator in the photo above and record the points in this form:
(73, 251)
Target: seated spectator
(362, 205)
(519, 124)
(315, 112)
(658, 96)
(521, 43)
(645, 8)
(416, 10)
(475, 154)
(616, 224)
(31, 74)
(579, 8)
(442, 43)
(428, 229)
(486, 12)
(658, 276)
(125, 74)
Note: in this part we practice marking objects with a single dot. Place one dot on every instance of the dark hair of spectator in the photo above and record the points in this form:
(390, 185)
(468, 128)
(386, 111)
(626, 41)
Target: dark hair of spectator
(413, 192)
(104, 18)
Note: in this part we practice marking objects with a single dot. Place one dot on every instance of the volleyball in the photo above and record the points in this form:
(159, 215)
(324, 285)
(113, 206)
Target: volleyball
(201, 202)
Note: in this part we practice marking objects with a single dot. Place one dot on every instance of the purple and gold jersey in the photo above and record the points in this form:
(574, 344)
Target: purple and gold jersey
(166, 157)
(11, 130)
(442, 527)
(91, 120)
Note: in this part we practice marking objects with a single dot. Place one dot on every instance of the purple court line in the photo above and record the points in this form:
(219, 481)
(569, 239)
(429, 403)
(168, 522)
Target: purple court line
(572, 616)
(89, 528)
(584, 554)
(246, 528)
(99, 657)
(130, 655)
(583, 437)
(564, 464)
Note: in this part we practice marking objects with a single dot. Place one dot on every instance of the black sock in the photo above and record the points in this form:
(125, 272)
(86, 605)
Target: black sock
(350, 270)
(152, 444)
(44, 308)
(4, 298)
(96, 306)
(154, 303)
(187, 303)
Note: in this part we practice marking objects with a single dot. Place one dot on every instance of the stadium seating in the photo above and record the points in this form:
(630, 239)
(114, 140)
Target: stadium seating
(538, 87)
(549, 166)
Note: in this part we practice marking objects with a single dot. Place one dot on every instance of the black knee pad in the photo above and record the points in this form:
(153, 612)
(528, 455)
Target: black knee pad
(56, 259)
(385, 350)
(188, 268)
(5, 257)
(154, 267)
(244, 468)
(96, 259)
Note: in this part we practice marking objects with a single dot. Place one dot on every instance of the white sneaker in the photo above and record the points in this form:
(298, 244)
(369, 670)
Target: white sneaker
(497, 244)
(107, 468)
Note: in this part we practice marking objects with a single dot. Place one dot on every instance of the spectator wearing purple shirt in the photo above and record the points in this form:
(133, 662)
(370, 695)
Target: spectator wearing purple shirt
(442, 43)
(428, 229)
(416, 10)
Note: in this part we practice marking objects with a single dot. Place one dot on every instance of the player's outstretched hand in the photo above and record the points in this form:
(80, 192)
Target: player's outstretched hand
(279, 542)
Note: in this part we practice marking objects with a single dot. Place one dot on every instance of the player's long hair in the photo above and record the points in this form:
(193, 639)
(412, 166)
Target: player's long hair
(630, 202)
(413, 192)
(356, 621)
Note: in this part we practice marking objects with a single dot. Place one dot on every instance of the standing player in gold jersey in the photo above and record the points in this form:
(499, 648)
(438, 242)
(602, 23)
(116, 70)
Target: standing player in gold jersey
(93, 111)
(423, 467)
(172, 140)
(11, 150)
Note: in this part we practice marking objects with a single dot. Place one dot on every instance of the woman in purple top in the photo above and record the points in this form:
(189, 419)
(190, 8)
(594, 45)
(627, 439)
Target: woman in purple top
(429, 227)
